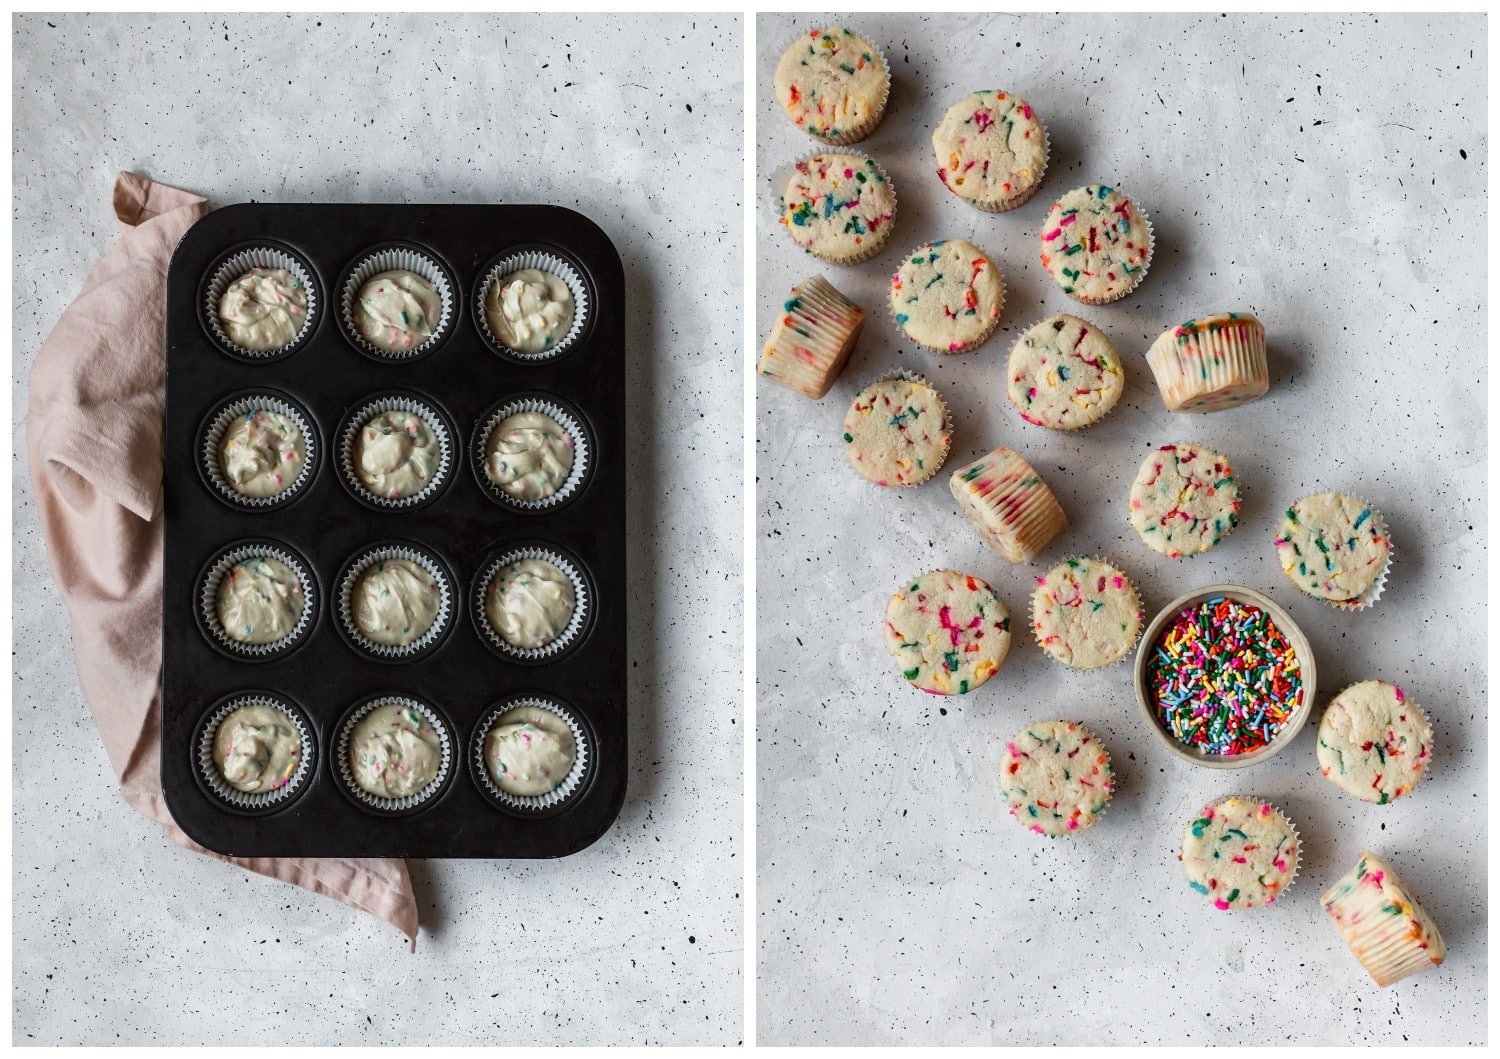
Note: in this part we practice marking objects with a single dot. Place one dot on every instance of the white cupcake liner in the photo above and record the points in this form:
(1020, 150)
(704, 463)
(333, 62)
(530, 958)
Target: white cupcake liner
(570, 633)
(891, 314)
(208, 769)
(1139, 276)
(546, 262)
(1297, 835)
(819, 320)
(350, 580)
(1021, 335)
(907, 376)
(235, 266)
(1098, 816)
(1234, 517)
(435, 421)
(409, 260)
(1134, 593)
(376, 802)
(873, 246)
(1016, 201)
(1028, 530)
(208, 600)
(213, 437)
(1385, 946)
(1184, 375)
(540, 803)
(572, 426)
(859, 133)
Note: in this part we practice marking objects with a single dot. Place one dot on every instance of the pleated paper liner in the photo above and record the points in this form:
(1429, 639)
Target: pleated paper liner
(1134, 595)
(969, 346)
(248, 404)
(1145, 264)
(578, 621)
(405, 259)
(870, 247)
(572, 426)
(1096, 414)
(545, 261)
(863, 129)
(1368, 597)
(812, 338)
(1097, 815)
(555, 800)
(360, 565)
(1015, 517)
(1219, 364)
(1296, 865)
(208, 600)
(1011, 202)
(352, 431)
(344, 768)
(238, 264)
(208, 770)
(885, 481)
(1233, 517)
(1388, 932)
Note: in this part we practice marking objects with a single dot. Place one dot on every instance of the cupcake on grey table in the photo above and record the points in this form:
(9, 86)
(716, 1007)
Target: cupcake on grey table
(394, 751)
(259, 600)
(529, 752)
(395, 602)
(257, 748)
(529, 456)
(530, 311)
(264, 309)
(262, 453)
(396, 310)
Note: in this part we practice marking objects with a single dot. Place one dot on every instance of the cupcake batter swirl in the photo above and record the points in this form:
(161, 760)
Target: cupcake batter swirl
(991, 150)
(264, 309)
(530, 603)
(529, 752)
(1064, 374)
(530, 310)
(1184, 500)
(259, 600)
(262, 453)
(395, 602)
(394, 751)
(1096, 244)
(257, 748)
(947, 296)
(1240, 853)
(397, 454)
(1056, 777)
(396, 310)
(529, 456)
(949, 632)
(839, 207)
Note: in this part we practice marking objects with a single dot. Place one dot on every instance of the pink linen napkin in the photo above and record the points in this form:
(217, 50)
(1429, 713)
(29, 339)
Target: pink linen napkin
(94, 441)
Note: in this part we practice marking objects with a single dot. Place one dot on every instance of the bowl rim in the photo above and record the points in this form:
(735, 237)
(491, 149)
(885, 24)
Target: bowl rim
(1284, 622)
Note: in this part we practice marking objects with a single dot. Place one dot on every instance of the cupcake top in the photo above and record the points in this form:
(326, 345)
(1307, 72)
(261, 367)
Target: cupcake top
(1373, 742)
(1096, 244)
(833, 84)
(1332, 546)
(1057, 777)
(1085, 613)
(1240, 853)
(1064, 374)
(262, 453)
(896, 431)
(947, 296)
(259, 600)
(528, 456)
(396, 310)
(948, 631)
(529, 751)
(394, 751)
(991, 150)
(395, 602)
(1184, 500)
(264, 309)
(529, 603)
(839, 207)
(529, 310)
(396, 454)
(257, 748)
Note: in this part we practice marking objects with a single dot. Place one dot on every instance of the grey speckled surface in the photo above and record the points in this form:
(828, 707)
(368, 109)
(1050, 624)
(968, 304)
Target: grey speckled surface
(897, 901)
(119, 936)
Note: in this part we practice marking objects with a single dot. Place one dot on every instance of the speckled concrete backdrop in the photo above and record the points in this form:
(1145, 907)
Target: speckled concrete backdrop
(122, 937)
(897, 901)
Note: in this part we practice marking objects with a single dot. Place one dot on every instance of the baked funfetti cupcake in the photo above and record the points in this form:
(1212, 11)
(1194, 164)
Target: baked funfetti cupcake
(1096, 244)
(1057, 777)
(257, 748)
(394, 751)
(262, 453)
(896, 432)
(833, 84)
(947, 296)
(812, 339)
(1085, 613)
(395, 602)
(264, 309)
(396, 454)
(1008, 503)
(529, 310)
(948, 631)
(1333, 547)
(1240, 853)
(1381, 923)
(530, 603)
(839, 207)
(529, 751)
(1064, 374)
(529, 456)
(1184, 500)
(259, 600)
(1373, 742)
(991, 150)
(396, 310)
(1211, 364)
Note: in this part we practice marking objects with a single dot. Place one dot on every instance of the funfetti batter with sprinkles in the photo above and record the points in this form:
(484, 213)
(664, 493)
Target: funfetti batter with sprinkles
(991, 150)
(1096, 244)
(397, 310)
(1057, 777)
(1064, 374)
(947, 296)
(833, 84)
(1240, 853)
(259, 600)
(896, 431)
(1085, 613)
(1184, 500)
(1380, 921)
(264, 309)
(839, 207)
(948, 631)
(1374, 742)
(262, 453)
(1334, 548)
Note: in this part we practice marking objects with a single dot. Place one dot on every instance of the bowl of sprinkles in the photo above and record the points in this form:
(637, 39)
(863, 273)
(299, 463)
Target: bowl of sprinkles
(1225, 677)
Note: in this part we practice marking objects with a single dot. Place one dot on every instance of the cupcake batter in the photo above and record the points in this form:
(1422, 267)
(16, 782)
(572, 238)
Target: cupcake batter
(1373, 742)
(259, 600)
(396, 454)
(1184, 500)
(397, 310)
(1064, 374)
(257, 748)
(262, 453)
(1085, 613)
(1057, 777)
(1240, 853)
(530, 310)
(1332, 546)
(529, 456)
(991, 150)
(264, 309)
(395, 602)
(949, 632)
(529, 751)
(394, 751)
(530, 602)
(947, 296)
(1096, 244)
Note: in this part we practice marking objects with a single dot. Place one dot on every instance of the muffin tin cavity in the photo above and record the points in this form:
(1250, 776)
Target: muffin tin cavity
(568, 786)
(395, 571)
(267, 257)
(259, 450)
(253, 749)
(248, 582)
(379, 749)
(530, 609)
(389, 477)
(517, 456)
(489, 299)
(388, 324)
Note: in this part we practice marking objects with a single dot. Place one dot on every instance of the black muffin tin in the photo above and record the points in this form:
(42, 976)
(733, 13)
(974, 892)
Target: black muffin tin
(464, 375)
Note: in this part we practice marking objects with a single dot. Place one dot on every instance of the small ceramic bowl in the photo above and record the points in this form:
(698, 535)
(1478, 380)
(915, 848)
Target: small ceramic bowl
(1283, 621)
